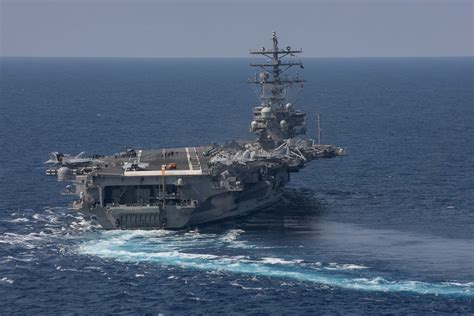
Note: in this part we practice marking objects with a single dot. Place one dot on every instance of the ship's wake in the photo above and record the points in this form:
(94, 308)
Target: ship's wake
(225, 253)
(228, 252)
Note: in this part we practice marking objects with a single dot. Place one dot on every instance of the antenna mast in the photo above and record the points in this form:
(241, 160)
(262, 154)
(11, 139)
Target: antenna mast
(273, 87)
(275, 120)
(319, 129)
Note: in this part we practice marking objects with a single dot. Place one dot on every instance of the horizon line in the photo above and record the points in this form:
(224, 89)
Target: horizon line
(230, 57)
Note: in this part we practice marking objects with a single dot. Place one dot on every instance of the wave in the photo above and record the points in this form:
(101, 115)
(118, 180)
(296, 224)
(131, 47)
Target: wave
(7, 280)
(213, 253)
(280, 261)
(23, 240)
(246, 287)
(19, 220)
(191, 251)
(345, 266)
(232, 235)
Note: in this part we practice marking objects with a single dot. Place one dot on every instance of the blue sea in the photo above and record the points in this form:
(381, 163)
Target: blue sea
(387, 229)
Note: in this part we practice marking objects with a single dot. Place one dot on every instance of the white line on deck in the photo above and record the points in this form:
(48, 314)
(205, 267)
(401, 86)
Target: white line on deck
(189, 159)
(163, 173)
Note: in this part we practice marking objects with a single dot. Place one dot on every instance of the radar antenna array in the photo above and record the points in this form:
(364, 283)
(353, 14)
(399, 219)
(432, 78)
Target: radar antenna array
(271, 83)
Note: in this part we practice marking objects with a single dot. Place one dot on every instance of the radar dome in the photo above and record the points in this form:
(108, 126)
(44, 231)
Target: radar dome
(253, 125)
(64, 174)
(266, 112)
(289, 106)
(283, 125)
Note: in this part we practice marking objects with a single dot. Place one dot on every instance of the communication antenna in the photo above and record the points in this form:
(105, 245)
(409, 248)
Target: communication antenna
(276, 119)
(271, 83)
(319, 128)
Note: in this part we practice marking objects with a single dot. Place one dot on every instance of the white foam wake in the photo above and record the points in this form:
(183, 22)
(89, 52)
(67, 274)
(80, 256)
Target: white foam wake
(345, 267)
(191, 250)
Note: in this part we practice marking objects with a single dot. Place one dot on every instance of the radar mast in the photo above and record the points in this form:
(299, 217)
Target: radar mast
(276, 120)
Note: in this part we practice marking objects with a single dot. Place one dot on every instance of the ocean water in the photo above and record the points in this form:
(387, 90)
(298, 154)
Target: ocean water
(387, 229)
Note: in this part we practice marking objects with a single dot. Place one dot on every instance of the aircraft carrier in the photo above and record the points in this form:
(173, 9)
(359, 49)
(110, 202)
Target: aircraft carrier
(175, 188)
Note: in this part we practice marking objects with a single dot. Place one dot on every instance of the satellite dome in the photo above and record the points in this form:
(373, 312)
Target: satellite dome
(64, 174)
(253, 125)
(289, 106)
(266, 112)
(283, 125)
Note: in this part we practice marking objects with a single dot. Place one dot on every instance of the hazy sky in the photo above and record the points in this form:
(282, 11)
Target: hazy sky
(228, 28)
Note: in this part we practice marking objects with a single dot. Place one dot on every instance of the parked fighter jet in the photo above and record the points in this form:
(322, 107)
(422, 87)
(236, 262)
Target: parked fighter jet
(72, 162)
(135, 164)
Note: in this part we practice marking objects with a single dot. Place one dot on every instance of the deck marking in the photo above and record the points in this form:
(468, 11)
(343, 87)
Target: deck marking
(189, 159)
(197, 157)
(161, 173)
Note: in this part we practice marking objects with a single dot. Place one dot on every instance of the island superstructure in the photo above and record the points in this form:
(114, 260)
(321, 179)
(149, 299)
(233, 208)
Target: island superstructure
(175, 188)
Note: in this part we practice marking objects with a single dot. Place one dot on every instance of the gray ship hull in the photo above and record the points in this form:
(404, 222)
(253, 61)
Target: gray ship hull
(220, 207)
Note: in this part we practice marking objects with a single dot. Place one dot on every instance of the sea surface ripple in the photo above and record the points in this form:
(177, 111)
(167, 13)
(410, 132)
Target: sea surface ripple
(388, 229)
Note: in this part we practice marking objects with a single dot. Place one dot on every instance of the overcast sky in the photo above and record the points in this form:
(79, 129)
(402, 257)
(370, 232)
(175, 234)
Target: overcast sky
(228, 28)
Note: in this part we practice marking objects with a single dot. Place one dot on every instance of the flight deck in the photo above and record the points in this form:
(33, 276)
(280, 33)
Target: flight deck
(160, 162)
